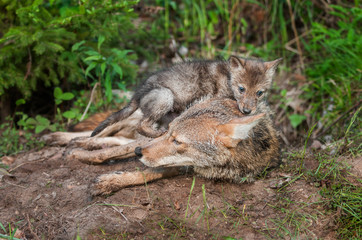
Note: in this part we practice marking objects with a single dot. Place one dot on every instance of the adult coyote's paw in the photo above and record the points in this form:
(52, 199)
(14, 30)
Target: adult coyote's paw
(112, 182)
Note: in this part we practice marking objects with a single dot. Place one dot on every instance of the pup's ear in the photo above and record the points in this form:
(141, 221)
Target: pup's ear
(236, 62)
(231, 133)
(270, 68)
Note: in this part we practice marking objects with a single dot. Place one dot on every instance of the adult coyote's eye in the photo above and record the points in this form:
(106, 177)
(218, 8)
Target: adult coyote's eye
(259, 93)
(241, 89)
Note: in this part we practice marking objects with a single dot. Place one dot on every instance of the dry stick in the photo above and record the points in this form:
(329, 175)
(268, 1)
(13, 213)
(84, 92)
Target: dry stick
(30, 227)
(120, 212)
(296, 34)
(90, 101)
(230, 35)
(339, 118)
(28, 66)
(40, 160)
(13, 184)
(78, 212)
(287, 45)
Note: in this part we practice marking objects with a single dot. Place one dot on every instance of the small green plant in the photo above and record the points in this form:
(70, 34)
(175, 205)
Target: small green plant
(11, 232)
(38, 123)
(13, 140)
(107, 66)
(59, 98)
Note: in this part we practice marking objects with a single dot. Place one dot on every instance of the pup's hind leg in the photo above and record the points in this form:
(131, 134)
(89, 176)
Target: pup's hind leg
(156, 104)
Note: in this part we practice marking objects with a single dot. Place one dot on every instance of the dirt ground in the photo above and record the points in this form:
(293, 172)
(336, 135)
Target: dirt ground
(48, 197)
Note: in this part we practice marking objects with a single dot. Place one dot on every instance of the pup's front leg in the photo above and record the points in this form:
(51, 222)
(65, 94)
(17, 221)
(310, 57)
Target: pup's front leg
(108, 183)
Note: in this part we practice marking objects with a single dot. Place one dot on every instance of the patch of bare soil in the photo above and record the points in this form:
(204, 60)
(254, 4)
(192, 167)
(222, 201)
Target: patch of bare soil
(47, 197)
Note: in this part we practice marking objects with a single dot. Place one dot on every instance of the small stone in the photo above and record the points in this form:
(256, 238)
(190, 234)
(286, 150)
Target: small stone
(7, 160)
(316, 145)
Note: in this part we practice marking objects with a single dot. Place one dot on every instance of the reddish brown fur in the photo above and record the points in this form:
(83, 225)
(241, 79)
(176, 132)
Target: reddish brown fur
(90, 123)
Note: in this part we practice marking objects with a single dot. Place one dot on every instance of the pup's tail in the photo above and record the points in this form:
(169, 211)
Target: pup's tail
(115, 117)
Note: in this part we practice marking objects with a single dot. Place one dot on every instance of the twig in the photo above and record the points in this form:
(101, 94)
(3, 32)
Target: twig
(339, 118)
(230, 35)
(39, 160)
(120, 212)
(284, 138)
(28, 66)
(15, 184)
(30, 227)
(85, 208)
(289, 48)
(296, 34)
(90, 101)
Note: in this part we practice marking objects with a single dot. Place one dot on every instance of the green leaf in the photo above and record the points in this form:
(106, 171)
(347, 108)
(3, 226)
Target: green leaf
(69, 115)
(42, 120)
(103, 68)
(296, 119)
(95, 57)
(54, 47)
(30, 121)
(21, 122)
(52, 128)
(118, 70)
(20, 102)
(76, 46)
(66, 96)
(58, 101)
(57, 92)
(100, 41)
(108, 87)
(40, 128)
(91, 53)
(90, 67)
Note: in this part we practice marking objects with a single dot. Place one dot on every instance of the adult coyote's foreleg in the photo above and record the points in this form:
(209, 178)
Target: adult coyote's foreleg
(108, 183)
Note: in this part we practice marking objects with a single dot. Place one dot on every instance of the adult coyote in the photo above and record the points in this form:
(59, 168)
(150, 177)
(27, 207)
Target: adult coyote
(214, 138)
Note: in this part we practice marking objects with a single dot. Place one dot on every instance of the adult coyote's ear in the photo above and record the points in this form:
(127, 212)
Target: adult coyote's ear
(237, 129)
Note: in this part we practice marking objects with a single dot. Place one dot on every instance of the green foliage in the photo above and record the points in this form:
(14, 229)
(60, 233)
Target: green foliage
(38, 37)
(13, 140)
(38, 123)
(335, 69)
(107, 66)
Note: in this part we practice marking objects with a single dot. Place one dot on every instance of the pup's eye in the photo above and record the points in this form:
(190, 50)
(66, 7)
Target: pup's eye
(241, 89)
(259, 93)
(176, 142)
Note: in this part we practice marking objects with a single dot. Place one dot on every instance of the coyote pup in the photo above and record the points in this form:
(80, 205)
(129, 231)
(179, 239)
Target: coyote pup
(213, 137)
(168, 92)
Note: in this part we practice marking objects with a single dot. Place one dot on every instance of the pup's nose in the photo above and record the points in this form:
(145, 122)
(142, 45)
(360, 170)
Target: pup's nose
(246, 111)
(138, 151)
